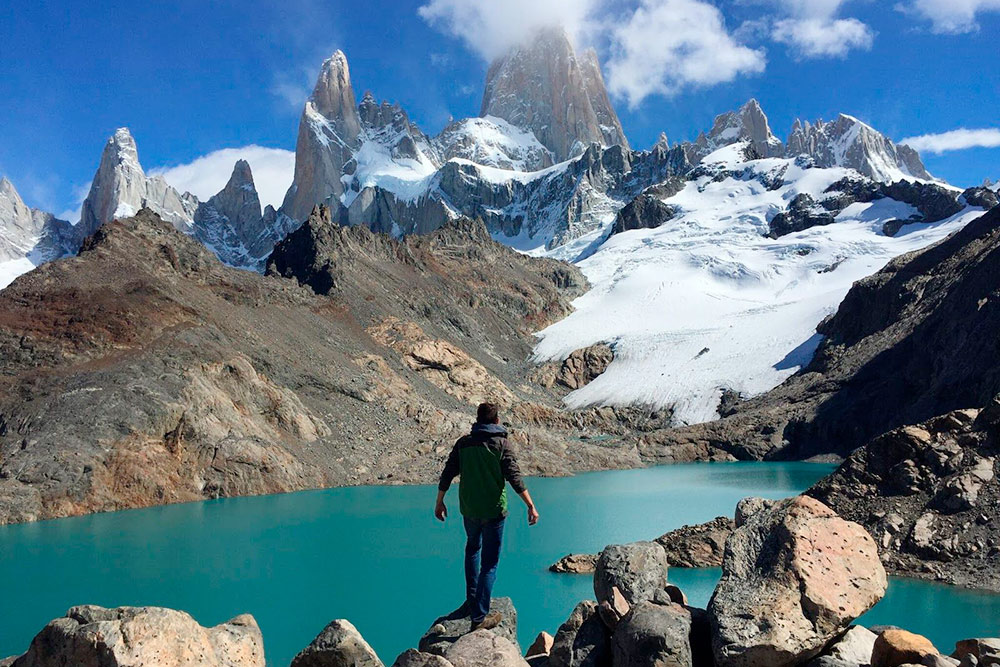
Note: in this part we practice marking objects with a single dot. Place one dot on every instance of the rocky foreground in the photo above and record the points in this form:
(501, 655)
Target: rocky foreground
(795, 577)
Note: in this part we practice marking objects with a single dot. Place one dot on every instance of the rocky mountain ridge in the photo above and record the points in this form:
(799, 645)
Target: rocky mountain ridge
(380, 360)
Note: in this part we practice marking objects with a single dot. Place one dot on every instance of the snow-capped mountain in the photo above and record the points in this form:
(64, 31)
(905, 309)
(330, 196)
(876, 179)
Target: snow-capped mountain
(28, 236)
(701, 303)
(748, 124)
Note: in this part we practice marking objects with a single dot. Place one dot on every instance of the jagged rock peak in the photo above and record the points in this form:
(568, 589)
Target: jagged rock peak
(333, 96)
(749, 124)
(849, 142)
(545, 87)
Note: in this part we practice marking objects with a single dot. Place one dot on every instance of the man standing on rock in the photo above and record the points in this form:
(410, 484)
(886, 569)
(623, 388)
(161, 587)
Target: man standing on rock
(485, 463)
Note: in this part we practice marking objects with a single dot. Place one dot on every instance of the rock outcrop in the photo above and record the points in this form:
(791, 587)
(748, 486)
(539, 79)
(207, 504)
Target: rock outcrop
(583, 640)
(794, 576)
(90, 636)
(928, 494)
(484, 648)
(329, 133)
(575, 564)
(654, 635)
(701, 545)
(748, 124)
(545, 87)
(338, 645)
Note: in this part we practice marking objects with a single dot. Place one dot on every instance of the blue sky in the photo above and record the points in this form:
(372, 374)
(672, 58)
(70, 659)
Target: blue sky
(190, 78)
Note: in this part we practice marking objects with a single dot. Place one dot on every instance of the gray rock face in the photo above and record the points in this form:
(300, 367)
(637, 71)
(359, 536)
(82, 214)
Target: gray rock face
(981, 196)
(654, 635)
(582, 641)
(639, 570)
(748, 124)
(414, 658)
(928, 494)
(90, 636)
(30, 232)
(803, 212)
(852, 649)
(647, 211)
(847, 142)
(232, 225)
(484, 648)
(338, 645)
(492, 142)
(120, 189)
(545, 87)
(329, 132)
(447, 630)
(793, 578)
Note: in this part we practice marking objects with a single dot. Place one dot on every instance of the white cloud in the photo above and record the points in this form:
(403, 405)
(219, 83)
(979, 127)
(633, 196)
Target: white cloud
(80, 193)
(667, 45)
(203, 177)
(490, 28)
(950, 16)
(955, 140)
(814, 30)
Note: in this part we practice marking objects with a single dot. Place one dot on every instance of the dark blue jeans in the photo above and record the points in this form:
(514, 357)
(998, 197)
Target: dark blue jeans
(482, 553)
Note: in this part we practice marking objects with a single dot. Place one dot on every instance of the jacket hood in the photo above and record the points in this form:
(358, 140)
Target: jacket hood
(488, 429)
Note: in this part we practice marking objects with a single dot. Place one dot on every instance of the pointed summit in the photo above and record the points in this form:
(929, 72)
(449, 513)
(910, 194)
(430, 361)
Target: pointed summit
(28, 233)
(329, 132)
(120, 189)
(333, 97)
(544, 87)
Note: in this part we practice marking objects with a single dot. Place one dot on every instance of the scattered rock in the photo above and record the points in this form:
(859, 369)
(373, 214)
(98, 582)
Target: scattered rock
(794, 577)
(639, 570)
(338, 645)
(986, 651)
(414, 658)
(653, 635)
(851, 649)
(446, 630)
(483, 648)
(701, 545)
(541, 646)
(91, 636)
(895, 647)
(575, 564)
(582, 641)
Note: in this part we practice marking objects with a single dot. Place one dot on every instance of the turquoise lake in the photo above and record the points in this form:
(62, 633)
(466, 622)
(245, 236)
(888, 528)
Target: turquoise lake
(376, 556)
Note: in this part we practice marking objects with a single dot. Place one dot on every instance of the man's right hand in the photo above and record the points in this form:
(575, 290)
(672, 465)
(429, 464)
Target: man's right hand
(532, 516)
(440, 511)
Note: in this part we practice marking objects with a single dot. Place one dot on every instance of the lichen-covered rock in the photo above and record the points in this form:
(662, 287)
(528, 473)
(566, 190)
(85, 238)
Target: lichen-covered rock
(414, 658)
(91, 636)
(338, 645)
(446, 630)
(653, 635)
(895, 647)
(483, 648)
(639, 570)
(583, 640)
(794, 577)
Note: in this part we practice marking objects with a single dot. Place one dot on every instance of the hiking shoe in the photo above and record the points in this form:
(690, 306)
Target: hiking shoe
(491, 621)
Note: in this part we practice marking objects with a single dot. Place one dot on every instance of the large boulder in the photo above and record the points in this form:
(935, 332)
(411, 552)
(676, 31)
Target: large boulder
(794, 576)
(639, 570)
(483, 648)
(851, 649)
(582, 641)
(446, 630)
(895, 647)
(338, 645)
(414, 658)
(654, 635)
(91, 636)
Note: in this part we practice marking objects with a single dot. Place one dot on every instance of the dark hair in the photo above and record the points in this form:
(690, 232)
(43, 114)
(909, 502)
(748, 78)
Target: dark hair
(487, 413)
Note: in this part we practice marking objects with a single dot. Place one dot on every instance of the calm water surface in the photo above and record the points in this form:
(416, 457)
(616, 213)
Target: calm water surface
(376, 556)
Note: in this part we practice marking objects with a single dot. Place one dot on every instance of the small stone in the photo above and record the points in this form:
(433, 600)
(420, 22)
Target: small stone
(895, 647)
(541, 646)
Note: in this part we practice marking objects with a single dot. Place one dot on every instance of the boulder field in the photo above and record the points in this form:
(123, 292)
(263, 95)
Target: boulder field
(795, 577)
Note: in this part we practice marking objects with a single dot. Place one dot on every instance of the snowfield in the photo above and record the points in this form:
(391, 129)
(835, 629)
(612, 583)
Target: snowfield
(707, 302)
